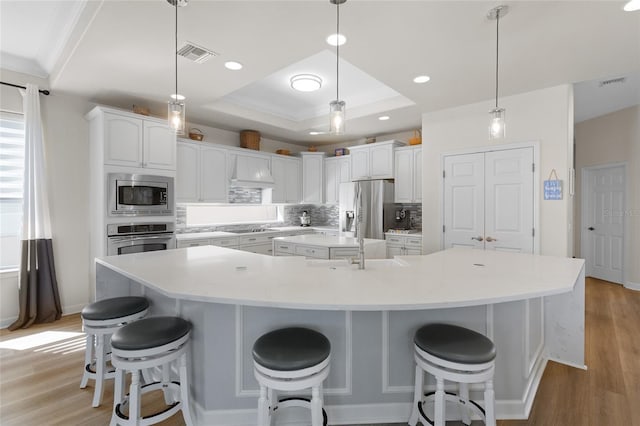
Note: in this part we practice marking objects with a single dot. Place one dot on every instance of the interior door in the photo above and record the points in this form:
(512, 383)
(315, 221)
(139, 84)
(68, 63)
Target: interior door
(464, 200)
(509, 200)
(488, 200)
(603, 222)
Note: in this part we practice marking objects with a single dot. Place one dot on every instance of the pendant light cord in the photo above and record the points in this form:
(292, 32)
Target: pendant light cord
(175, 53)
(497, 49)
(337, 50)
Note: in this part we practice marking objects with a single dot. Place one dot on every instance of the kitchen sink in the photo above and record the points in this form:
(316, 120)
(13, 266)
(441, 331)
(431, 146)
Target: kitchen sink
(375, 264)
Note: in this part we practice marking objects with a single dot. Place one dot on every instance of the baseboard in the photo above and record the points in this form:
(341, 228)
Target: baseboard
(632, 286)
(570, 364)
(66, 310)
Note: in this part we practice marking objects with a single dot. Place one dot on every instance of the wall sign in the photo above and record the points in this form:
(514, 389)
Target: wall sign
(553, 187)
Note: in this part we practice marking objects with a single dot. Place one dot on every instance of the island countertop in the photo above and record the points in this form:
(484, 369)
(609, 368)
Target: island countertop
(328, 241)
(451, 278)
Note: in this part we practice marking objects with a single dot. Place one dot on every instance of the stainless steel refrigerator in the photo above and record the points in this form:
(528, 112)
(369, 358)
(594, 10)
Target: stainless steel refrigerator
(377, 208)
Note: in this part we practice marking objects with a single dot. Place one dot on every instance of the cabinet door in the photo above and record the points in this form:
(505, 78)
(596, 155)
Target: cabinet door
(293, 187)
(359, 164)
(417, 175)
(381, 162)
(188, 173)
(192, 243)
(279, 173)
(404, 176)
(330, 181)
(264, 248)
(312, 182)
(393, 251)
(412, 251)
(159, 146)
(344, 170)
(123, 140)
(213, 175)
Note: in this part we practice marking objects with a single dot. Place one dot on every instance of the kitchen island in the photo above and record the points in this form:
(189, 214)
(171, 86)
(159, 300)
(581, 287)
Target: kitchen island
(327, 247)
(531, 306)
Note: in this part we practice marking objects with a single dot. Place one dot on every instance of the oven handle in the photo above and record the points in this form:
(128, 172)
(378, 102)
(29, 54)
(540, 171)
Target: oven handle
(138, 238)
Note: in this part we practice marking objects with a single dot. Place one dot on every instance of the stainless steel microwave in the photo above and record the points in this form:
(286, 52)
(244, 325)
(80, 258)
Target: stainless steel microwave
(140, 195)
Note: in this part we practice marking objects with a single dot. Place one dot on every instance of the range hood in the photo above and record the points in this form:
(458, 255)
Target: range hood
(251, 172)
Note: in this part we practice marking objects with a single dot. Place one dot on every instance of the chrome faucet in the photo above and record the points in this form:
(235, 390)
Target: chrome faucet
(359, 233)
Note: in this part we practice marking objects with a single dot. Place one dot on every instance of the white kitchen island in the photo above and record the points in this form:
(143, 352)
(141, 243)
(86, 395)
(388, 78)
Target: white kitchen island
(327, 247)
(531, 306)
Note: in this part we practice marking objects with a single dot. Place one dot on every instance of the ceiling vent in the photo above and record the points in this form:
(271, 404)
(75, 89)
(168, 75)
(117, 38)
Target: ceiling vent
(612, 81)
(195, 53)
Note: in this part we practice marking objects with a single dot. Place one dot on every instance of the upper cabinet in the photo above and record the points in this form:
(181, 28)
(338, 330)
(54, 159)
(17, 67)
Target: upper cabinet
(312, 177)
(286, 174)
(373, 161)
(132, 141)
(337, 170)
(408, 174)
(201, 174)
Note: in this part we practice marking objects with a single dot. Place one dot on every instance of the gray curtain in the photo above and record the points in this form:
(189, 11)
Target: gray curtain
(38, 296)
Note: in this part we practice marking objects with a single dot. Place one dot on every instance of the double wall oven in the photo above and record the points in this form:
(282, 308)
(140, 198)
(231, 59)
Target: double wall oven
(140, 196)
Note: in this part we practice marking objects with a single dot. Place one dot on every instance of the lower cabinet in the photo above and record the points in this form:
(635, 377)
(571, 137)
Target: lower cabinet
(403, 245)
(282, 248)
(229, 242)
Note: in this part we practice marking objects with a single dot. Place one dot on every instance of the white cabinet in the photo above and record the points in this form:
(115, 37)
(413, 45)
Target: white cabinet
(373, 161)
(201, 174)
(258, 243)
(286, 175)
(408, 174)
(337, 170)
(403, 245)
(136, 142)
(229, 242)
(312, 177)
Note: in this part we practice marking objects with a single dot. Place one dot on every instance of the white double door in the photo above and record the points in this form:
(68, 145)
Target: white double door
(488, 200)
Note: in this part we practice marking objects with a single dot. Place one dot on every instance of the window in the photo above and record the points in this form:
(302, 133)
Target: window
(11, 177)
(201, 215)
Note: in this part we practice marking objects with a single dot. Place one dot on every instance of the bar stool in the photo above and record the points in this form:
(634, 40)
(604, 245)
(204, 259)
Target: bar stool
(99, 321)
(460, 355)
(291, 359)
(147, 344)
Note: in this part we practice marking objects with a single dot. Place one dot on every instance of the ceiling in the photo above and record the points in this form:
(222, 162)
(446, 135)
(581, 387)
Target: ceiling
(120, 53)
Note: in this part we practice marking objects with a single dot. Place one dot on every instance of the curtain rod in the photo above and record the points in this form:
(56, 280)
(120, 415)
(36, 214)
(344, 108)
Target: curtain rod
(44, 92)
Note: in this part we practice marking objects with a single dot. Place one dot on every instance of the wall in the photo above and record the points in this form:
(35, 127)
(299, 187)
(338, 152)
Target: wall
(67, 155)
(613, 138)
(330, 148)
(545, 116)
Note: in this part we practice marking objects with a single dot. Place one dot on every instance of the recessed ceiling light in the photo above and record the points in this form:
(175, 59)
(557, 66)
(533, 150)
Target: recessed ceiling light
(632, 5)
(178, 97)
(306, 82)
(314, 133)
(232, 65)
(336, 39)
(421, 79)
(384, 118)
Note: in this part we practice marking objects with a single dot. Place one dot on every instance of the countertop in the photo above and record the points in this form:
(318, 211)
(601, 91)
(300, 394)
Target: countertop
(328, 241)
(451, 278)
(203, 235)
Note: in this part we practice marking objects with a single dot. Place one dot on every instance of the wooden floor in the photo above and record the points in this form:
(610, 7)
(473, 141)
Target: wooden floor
(39, 383)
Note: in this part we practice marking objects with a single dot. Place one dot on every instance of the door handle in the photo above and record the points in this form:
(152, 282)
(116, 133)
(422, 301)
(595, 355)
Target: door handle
(591, 228)
(490, 239)
(478, 238)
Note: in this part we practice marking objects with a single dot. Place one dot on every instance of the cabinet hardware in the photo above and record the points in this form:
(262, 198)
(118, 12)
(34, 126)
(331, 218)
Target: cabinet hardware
(591, 228)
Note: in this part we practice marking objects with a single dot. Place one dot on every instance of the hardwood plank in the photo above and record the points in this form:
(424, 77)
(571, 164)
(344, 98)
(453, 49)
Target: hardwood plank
(41, 385)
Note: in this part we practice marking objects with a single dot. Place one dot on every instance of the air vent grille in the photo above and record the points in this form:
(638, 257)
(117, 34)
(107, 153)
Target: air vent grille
(612, 81)
(195, 53)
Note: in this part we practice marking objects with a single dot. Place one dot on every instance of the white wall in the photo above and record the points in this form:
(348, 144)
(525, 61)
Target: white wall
(545, 116)
(613, 138)
(67, 156)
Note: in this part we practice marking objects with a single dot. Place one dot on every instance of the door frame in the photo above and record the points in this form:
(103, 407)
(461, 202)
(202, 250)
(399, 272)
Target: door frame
(584, 206)
(492, 148)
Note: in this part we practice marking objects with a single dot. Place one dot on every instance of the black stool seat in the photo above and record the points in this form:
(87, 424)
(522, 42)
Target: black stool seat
(150, 333)
(289, 349)
(116, 307)
(455, 344)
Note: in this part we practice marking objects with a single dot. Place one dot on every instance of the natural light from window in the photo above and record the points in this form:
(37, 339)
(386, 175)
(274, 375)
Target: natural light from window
(204, 215)
(11, 177)
(48, 341)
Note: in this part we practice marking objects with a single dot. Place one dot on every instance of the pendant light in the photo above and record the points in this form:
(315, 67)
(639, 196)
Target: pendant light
(497, 115)
(176, 107)
(337, 107)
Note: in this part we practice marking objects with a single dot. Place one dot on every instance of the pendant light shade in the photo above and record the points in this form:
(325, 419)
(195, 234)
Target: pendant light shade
(337, 107)
(176, 106)
(497, 115)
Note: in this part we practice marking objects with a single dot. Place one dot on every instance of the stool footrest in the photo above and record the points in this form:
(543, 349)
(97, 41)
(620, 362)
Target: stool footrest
(159, 416)
(451, 397)
(298, 402)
